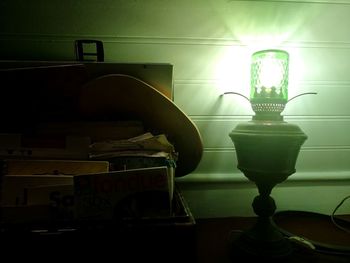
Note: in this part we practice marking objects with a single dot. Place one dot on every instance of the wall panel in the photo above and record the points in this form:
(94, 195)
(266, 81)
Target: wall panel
(194, 59)
(209, 56)
(239, 20)
(331, 99)
(210, 42)
(321, 132)
(310, 160)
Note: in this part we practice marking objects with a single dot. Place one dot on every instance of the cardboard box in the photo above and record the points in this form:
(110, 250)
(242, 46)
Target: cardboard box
(59, 199)
(170, 238)
(14, 187)
(54, 167)
(85, 190)
(129, 193)
(22, 177)
(20, 146)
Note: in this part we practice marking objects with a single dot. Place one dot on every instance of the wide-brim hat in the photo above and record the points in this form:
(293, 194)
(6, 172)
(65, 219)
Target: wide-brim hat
(117, 96)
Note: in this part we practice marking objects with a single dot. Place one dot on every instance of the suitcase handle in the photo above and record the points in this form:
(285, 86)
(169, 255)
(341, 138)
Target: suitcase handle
(80, 54)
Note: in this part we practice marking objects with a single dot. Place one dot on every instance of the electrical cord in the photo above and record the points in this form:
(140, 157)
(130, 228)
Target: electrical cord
(320, 247)
(333, 214)
(307, 244)
(332, 251)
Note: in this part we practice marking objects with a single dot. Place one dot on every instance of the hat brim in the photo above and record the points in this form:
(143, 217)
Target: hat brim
(120, 96)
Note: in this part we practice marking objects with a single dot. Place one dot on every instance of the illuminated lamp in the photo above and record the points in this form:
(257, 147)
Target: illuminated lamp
(267, 148)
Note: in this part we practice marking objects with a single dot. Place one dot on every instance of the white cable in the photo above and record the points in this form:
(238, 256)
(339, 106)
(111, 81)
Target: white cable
(332, 216)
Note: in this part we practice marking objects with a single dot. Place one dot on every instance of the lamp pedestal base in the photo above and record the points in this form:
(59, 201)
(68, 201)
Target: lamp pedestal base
(247, 247)
(263, 241)
(267, 151)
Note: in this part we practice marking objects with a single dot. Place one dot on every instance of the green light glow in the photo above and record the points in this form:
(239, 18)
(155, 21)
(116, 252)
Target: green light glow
(269, 76)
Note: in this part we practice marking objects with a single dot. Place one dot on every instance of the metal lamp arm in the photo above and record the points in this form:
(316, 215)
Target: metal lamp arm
(302, 94)
(236, 93)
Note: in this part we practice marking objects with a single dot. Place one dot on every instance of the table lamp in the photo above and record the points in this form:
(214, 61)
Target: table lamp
(267, 148)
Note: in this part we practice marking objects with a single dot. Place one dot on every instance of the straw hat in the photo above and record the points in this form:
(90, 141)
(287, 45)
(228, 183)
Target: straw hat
(117, 96)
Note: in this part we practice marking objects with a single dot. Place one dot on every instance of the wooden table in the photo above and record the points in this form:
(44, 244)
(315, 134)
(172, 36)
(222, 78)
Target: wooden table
(213, 239)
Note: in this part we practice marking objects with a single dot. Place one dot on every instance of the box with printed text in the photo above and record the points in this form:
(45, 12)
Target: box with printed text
(135, 193)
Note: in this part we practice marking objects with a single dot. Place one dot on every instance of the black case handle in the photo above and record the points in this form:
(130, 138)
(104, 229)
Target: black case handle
(80, 54)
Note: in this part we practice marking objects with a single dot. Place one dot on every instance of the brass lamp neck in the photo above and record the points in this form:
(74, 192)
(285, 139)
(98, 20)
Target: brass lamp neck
(267, 117)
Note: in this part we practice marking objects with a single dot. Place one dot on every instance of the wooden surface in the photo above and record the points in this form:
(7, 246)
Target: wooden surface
(213, 236)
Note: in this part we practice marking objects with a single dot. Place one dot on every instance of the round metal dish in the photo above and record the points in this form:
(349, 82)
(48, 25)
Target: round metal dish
(315, 228)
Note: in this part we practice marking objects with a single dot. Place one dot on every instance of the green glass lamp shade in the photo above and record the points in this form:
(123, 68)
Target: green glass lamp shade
(269, 81)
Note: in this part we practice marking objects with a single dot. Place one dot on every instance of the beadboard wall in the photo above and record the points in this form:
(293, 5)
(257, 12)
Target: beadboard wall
(210, 42)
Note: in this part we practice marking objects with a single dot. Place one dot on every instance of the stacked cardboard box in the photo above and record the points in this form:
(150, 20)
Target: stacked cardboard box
(36, 126)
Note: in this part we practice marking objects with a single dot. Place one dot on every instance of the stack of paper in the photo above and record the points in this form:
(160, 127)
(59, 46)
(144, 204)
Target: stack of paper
(141, 168)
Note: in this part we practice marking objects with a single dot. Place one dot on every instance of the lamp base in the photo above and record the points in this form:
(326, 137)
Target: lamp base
(262, 242)
(267, 151)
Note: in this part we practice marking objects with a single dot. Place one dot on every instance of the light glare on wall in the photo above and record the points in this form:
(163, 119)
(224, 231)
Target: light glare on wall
(232, 70)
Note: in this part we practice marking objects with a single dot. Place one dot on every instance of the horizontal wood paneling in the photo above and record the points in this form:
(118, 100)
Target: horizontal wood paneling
(241, 20)
(317, 159)
(321, 132)
(203, 99)
(210, 42)
(193, 61)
